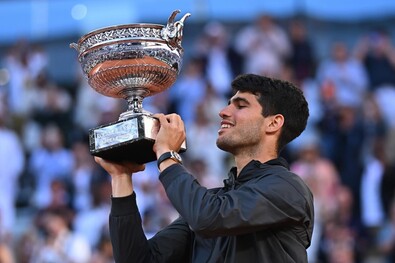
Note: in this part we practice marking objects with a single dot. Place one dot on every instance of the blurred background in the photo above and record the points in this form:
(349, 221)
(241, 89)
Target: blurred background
(54, 200)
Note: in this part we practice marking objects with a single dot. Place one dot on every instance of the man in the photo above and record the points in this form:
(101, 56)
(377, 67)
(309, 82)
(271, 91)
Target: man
(264, 213)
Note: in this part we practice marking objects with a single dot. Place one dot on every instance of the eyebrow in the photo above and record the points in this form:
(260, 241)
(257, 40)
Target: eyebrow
(238, 100)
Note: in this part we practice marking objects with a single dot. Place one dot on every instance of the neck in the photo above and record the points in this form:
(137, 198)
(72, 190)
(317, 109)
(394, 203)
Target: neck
(241, 160)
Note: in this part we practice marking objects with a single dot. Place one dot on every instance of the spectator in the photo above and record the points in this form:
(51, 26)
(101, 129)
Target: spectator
(346, 75)
(311, 91)
(302, 59)
(387, 183)
(385, 97)
(200, 169)
(377, 54)
(347, 151)
(92, 223)
(221, 61)
(321, 176)
(372, 209)
(6, 253)
(203, 132)
(59, 243)
(156, 210)
(53, 107)
(52, 161)
(212, 104)
(103, 252)
(340, 238)
(375, 125)
(12, 159)
(386, 237)
(25, 244)
(189, 90)
(341, 245)
(264, 45)
(82, 174)
(25, 64)
(90, 105)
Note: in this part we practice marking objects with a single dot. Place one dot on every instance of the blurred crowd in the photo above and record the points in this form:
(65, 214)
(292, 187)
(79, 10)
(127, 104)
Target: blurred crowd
(55, 200)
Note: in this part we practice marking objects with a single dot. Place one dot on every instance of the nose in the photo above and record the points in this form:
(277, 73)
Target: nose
(224, 112)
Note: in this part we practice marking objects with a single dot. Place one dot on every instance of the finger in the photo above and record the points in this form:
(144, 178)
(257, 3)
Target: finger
(98, 160)
(156, 115)
(132, 165)
(178, 121)
(137, 167)
(174, 119)
(162, 118)
(102, 161)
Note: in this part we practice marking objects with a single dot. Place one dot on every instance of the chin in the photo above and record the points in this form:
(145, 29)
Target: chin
(223, 145)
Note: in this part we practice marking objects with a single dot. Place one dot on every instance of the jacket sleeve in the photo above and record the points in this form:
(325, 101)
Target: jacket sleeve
(172, 244)
(250, 208)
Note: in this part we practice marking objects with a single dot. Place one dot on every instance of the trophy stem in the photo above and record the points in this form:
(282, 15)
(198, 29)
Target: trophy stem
(134, 98)
(135, 104)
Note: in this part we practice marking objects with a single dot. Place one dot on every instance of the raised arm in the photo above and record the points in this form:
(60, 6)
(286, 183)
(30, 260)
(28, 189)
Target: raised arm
(128, 239)
(121, 175)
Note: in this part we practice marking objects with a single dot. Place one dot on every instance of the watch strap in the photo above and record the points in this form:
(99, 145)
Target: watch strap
(168, 155)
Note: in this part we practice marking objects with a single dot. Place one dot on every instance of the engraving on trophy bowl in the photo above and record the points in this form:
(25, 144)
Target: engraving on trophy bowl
(131, 62)
(112, 78)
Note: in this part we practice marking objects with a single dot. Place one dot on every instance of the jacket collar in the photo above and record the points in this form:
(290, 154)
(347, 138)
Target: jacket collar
(249, 171)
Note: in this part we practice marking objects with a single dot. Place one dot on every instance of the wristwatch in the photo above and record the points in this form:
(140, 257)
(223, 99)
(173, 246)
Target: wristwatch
(169, 155)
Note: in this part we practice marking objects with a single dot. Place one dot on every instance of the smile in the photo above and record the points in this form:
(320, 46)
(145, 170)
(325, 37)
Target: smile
(226, 126)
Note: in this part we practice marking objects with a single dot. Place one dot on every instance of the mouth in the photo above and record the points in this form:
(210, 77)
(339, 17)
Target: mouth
(224, 126)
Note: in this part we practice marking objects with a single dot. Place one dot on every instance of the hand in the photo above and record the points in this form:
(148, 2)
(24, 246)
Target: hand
(121, 179)
(171, 133)
(119, 168)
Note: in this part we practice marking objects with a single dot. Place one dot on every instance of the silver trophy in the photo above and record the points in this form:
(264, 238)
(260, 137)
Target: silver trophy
(131, 62)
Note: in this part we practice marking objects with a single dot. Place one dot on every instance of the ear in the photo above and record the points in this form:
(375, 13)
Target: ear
(276, 122)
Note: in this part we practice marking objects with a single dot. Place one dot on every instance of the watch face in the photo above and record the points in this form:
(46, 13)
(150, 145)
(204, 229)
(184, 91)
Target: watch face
(176, 156)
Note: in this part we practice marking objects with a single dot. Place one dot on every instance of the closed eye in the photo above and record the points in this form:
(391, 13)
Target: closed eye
(240, 102)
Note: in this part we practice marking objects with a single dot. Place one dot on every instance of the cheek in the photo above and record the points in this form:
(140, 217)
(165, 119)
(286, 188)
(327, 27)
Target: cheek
(249, 126)
(252, 118)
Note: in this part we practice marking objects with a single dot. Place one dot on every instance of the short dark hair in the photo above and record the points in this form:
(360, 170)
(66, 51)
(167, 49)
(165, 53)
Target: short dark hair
(277, 97)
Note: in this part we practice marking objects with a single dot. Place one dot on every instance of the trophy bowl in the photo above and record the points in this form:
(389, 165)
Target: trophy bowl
(131, 62)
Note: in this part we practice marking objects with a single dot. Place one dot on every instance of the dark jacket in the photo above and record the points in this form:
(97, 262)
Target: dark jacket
(263, 215)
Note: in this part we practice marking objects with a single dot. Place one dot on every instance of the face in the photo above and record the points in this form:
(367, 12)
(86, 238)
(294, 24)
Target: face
(339, 51)
(242, 125)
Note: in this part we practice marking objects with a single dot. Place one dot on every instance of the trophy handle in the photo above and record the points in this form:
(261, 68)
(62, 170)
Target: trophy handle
(75, 46)
(172, 33)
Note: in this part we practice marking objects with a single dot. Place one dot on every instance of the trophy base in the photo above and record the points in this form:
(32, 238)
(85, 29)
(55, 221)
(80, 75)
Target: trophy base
(131, 139)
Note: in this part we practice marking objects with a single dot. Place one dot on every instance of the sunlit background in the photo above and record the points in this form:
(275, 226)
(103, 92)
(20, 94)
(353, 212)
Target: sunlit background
(340, 53)
(55, 23)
